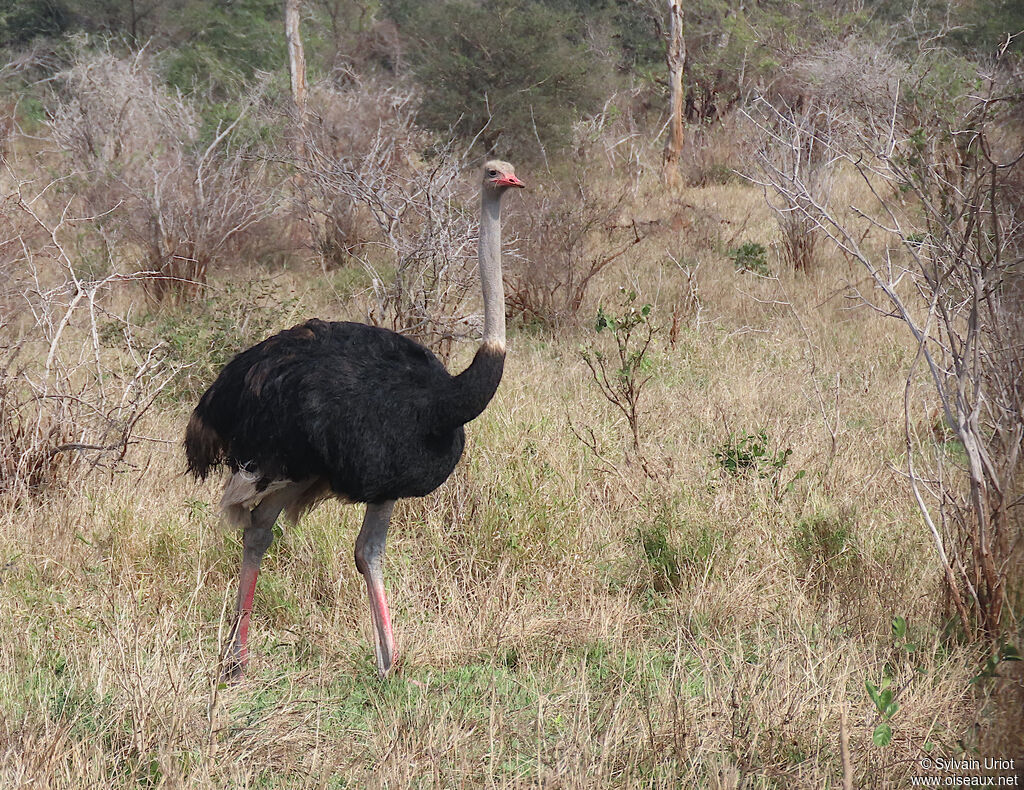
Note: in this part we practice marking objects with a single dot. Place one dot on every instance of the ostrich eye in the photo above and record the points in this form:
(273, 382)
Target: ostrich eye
(492, 172)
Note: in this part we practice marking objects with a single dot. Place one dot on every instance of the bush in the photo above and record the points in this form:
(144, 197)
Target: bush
(751, 257)
(826, 549)
(676, 550)
(565, 242)
(749, 453)
(224, 45)
(940, 148)
(206, 335)
(513, 71)
(363, 133)
(134, 155)
(68, 402)
(621, 378)
(412, 191)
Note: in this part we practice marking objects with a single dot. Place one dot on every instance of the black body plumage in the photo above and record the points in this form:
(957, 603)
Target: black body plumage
(372, 413)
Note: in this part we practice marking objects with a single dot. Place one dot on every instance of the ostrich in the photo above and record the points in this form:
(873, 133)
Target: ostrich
(346, 410)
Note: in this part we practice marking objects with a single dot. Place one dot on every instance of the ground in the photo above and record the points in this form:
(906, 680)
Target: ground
(569, 613)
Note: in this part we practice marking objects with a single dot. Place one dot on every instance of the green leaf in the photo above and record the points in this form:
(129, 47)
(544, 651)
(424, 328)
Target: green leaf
(882, 736)
(873, 693)
(899, 627)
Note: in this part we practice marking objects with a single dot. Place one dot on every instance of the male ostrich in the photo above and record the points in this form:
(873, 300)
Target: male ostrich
(345, 410)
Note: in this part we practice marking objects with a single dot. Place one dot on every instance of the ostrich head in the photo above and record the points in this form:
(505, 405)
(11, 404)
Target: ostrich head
(498, 176)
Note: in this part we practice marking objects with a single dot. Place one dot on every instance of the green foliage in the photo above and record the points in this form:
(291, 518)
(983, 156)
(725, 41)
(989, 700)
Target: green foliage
(1004, 652)
(629, 321)
(905, 649)
(256, 130)
(751, 257)
(729, 46)
(137, 21)
(882, 694)
(749, 453)
(823, 539)
(825, 547)
(673, 548)
(516, 67)
(661, 556)
(886, 706)
(224, 45)
(21, 22)
(981, 26)
(636, 32)
(933, 96)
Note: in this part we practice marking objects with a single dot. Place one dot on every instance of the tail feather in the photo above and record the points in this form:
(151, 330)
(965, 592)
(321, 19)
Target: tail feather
(204, 447)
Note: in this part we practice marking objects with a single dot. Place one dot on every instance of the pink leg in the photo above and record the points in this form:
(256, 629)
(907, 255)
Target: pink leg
(369, 553)
(255, 541)
(384, 639)
(239, 656)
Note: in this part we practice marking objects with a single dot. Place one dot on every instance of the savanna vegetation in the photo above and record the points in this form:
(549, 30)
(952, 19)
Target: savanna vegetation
(748, 508)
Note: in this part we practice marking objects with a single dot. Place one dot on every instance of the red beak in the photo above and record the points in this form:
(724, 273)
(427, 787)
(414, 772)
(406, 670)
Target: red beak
(509, 181)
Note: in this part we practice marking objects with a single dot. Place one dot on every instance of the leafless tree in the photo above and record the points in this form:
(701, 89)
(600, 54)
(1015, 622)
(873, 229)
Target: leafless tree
(826, 95)
(942, 240)
(566, 240)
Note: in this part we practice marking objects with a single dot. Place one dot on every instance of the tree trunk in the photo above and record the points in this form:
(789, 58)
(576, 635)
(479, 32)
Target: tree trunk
(296, 59)
(297, 67)
(675, 55)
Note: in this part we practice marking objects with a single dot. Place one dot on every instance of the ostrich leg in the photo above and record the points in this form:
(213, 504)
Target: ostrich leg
(256, 540)
(369, 553)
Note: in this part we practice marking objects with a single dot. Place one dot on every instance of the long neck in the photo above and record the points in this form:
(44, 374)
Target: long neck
(489, 252)
(471, 391)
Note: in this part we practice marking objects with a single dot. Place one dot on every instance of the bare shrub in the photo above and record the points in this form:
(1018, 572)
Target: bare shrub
(370, 125)
(614, 139)
(134, 155)
(422, 256)
(806, 157)
(29, 439)
(566, 240)
(827, 94)
(74, 381)
(942, 165)
(621, 379)
(796, 141)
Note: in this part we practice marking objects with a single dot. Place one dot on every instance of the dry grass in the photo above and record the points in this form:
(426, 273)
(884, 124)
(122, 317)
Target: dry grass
(564, 619)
